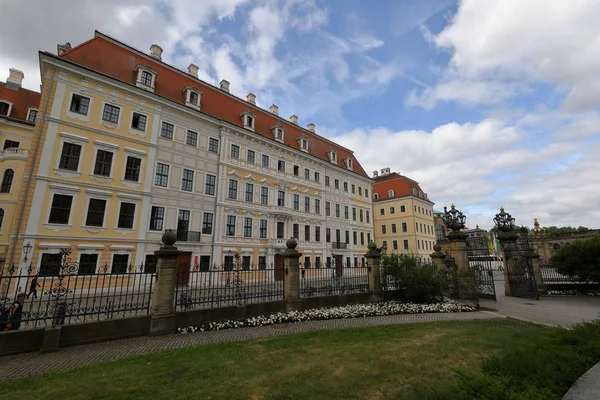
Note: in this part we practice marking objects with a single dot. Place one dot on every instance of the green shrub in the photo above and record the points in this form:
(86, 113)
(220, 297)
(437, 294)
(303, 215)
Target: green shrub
(581, 259)
(418, 280)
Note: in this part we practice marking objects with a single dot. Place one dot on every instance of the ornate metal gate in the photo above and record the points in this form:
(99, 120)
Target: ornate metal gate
(519, 269)
(480, 260)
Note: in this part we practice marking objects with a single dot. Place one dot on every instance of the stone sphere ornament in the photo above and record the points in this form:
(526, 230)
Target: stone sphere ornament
(291, 243)
(169, 238)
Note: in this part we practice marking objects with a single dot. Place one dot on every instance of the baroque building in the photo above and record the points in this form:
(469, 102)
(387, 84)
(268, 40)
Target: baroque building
(127, 146)
(403, 215)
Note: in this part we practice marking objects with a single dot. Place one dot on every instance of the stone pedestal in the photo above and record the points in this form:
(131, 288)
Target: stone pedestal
(507, 237)
(163, 320)
(374, 261)
(458, 249)
(291, 285)
(537, 273)
(51, 340)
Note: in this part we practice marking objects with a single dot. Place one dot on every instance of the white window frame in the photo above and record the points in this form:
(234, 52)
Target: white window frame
(275, 131)
(141, 155)
(121, 252)
(160, 130)
(136, 131)
(76, 115)
(90, 251)
(10, 107)
(98, 195)
(72, 139)
(138, 81)
(193, 181)
(332, 156)
(204, 186)
(127, 198)
(154, 174)
(107, 124)
(391, 193)
(29, 110)
(245, 124)
(164, 207)
(188, 101)
(64, 190)
(110, 147)
(348, 162)
(375, 196)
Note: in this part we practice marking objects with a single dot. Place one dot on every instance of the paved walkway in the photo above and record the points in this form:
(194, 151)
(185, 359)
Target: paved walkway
(29, 364)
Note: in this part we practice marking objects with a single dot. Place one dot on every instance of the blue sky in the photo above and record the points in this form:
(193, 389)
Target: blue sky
(486, 104)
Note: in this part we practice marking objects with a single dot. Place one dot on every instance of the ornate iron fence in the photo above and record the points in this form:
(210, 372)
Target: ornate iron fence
(68, 295)
(338, 280)
(228, 285)
(555, 280)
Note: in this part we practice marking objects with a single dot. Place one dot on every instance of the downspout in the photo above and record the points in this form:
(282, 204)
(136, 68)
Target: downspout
(30, 177)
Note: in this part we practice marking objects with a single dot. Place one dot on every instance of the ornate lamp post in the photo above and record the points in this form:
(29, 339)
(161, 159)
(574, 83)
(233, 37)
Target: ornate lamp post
(505, 224)
(455, 220)
(27, 249)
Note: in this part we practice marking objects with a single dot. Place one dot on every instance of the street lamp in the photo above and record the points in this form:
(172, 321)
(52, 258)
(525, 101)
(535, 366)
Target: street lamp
(504, 221)
(454, 219)
(27, 249)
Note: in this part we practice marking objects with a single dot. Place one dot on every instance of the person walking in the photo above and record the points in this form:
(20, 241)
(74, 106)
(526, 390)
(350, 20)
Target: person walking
(33, 287)
(15, 312)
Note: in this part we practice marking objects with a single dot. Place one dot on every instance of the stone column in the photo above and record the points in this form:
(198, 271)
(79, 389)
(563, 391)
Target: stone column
(438, 257)
(163, 320)
(373, 260)
(507, 238)
(458, 249)
(537, 272)
(291, 283)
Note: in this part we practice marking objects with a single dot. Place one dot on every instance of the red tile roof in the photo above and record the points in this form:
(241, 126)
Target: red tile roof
(21, 99)
(401, 185)
(117, 60)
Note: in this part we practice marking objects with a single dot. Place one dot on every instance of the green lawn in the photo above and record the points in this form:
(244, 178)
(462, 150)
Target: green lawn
(366, 363)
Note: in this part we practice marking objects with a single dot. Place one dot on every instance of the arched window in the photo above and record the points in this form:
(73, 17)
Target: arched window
(7, 181)
(1, 217)
(376, 196)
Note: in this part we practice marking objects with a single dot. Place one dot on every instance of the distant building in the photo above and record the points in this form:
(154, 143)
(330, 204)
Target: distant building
(402, 215)
(547, 244)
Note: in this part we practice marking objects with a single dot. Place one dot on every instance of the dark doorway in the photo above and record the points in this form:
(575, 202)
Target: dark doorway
(279, 267)
(183, 268)
(339, 265)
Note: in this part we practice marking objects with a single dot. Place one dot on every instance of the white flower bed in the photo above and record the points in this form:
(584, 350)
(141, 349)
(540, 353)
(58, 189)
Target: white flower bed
(350, 311)
(573, 292)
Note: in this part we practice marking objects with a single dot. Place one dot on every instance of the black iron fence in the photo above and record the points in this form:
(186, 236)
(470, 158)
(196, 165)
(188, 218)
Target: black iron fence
(555, 280)
(67, 296)
(228, 285)
(342, 279)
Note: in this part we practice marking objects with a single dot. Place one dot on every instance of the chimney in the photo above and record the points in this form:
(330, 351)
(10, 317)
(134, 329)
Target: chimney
(193, 70)
(311, 127)
(375, 174)
(15, 79)
(224, 85)
(294, 119)
(274, 109)
(385, 171)
(251, 98)
(156, 51)
(63, 48)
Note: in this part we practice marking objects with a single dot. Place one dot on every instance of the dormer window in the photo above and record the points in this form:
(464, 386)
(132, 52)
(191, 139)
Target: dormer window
(332, 154)
(390, 193)
(303, 143)
(32, 115)
(375, 196)
(348, 162)
(146, 78)
(5, 108)
(414, 192)
(248, 120)
(278, 132)
(192, 97)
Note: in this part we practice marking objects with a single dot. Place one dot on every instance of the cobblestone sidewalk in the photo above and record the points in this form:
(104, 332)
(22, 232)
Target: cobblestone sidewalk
(29, 364)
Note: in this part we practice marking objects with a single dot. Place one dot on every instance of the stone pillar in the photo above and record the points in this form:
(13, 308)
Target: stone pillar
(537, 272)
(504, 238)
(163, 320)
(458, 249)
(291, 283)
(438, 257)
(373, 260)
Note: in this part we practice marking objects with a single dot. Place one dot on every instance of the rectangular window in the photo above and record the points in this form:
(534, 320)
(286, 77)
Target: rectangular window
(69, 158)
(392, 210)
(337, 210)
(150, 264)
(384, 244)
(230, 228)
(296, 231)
(347, 237)
(103, 163)
(213, 145)
(95, 214)
(317, 177)
(296, 202)
(162, 175)
(228, 263)
(345, 186)
(207, 223)
(126, 215)
(296, 170)
(355, 237)
(210, 184)
(246, 261)
(265, 161)
(111, 113)
(262, 263)
(362, 238)
(87, 264)
(368, 215)
(307, 233)
(204, 264)
(307, 204)
(367, 193)
(157, 218)
(146, 78)
(166, 130)
(317, 262)
(381, 211)
(187, 180)
(60, 209)
(80, 104)
(317, 233)
(11, 144)
(393, 228)
(50, 264)
(249, 192)
(360, 215)
(119, 263)
(404, 227)
(263, 229)
(250, 156)
(395, 244)
(232, 189)
(353, 213)
(281, 166)
(383, 229)
(353, 189)
(402, 209)
(306, 262)
(264, 195)
(327, 209)
(326, 180)
(247, 227)
(280, 230)
(405, 244)
(281, 198)
(328, 235)
(138, 121)
(368, 237)
(360, 190)
(132, 169)
(336, 183)
(191, 138)
(317, 206)
(306, 173)
(235, 151)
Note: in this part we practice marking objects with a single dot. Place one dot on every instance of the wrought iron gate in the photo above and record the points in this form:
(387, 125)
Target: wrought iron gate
(519, 269)
(480, 260)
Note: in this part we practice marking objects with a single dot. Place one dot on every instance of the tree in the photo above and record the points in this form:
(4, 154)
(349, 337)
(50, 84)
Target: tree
(581, 259)
(564, 230)
(417, 279)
